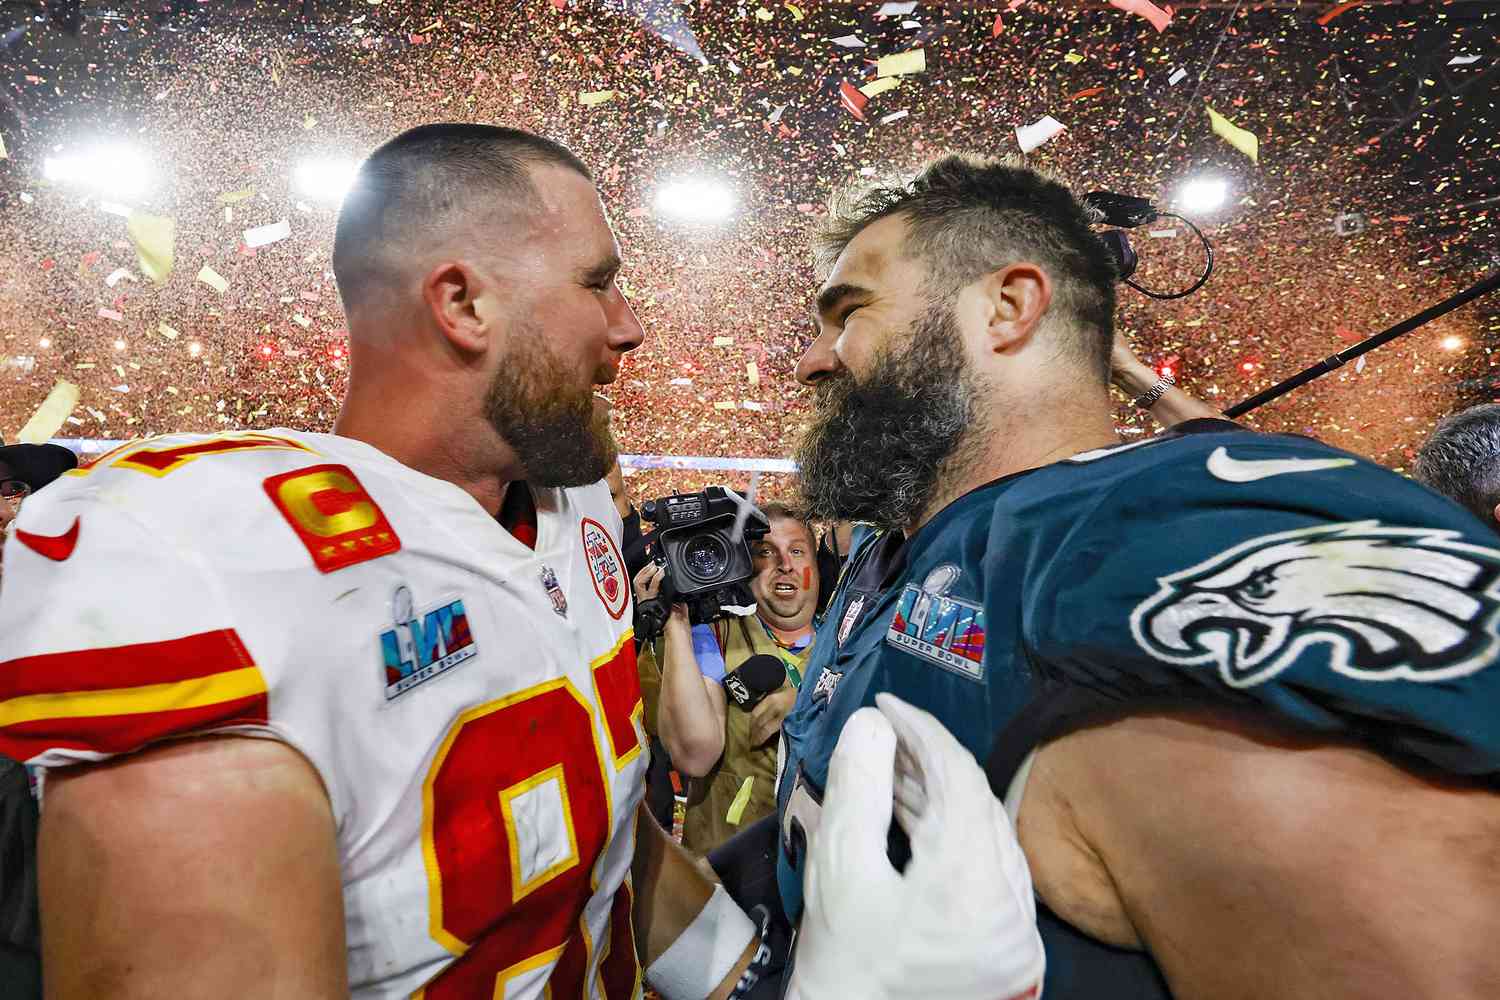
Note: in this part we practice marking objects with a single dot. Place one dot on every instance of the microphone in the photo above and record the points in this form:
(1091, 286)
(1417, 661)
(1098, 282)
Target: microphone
(754, 679)
(37, 465)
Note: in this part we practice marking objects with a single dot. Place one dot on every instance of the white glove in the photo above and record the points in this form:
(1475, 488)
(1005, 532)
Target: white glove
(960, 923)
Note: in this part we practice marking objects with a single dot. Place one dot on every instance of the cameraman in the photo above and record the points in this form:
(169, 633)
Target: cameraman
(730, 751)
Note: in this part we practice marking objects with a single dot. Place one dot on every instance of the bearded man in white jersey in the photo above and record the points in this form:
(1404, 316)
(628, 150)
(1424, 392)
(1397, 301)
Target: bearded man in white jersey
(358, 714)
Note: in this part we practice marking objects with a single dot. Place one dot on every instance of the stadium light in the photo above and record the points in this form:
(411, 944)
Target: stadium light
(1452, 343)
(114, 171)
(326, 180)
(695, 199)
(1203, 194)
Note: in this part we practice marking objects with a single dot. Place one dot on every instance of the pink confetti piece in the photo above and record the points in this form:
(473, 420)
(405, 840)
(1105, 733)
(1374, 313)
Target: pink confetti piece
(1145, 8)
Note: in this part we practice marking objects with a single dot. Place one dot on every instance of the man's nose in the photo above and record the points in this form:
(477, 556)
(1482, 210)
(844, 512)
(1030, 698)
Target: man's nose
(820, 360)
(625, 331)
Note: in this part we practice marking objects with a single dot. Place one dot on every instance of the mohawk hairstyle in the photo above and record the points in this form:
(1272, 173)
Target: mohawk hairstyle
(971, 215)
(423, 179)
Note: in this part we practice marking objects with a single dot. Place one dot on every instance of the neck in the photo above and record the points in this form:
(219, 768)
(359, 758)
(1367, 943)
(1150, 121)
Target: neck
(787, 635)
(1004, 444)
(428, 439)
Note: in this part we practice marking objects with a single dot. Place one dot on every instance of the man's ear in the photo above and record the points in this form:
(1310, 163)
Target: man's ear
(452, 291)
(1496, 515)
(1016, 297)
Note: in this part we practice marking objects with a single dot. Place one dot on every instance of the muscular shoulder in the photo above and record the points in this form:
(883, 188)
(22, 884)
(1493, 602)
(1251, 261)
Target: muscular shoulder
(1310, 861)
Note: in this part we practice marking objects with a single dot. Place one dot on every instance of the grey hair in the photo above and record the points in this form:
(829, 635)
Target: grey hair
(1461, 460)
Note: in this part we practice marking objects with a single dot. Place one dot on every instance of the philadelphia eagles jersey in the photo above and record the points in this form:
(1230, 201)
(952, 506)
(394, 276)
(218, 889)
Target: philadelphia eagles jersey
(1272, 573)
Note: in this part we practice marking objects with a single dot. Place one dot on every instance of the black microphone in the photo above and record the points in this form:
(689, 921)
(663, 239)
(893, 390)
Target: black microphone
(37, 465)
(752, 680)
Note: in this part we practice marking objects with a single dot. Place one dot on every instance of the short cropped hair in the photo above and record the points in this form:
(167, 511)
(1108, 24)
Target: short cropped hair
(423, 179)
(1461, 460)
(779, 511)
(970, 216)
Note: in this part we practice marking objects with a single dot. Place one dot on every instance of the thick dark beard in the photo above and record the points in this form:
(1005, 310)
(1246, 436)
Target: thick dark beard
(556, 432)
(877, 448)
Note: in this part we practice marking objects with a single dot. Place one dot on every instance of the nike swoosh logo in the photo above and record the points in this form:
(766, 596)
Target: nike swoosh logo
(55, 547)
(1238, 470)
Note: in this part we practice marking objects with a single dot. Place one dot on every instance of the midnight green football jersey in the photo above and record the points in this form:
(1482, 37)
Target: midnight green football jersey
(1270, 573)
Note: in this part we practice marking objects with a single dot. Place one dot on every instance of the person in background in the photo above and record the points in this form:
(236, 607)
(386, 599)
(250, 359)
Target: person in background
(1461, 460)
(730, 751)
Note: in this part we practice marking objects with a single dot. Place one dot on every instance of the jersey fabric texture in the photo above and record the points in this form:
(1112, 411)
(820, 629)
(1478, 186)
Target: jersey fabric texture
(1271, 573)
(471, 704)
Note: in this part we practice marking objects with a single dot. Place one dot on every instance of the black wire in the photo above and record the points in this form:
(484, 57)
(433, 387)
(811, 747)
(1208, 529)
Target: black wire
(1207, 270)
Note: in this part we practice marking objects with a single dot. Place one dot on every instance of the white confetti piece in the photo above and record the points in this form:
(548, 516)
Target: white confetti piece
(1038, 133)
(1359, 365)
(776, 115)
(166, 331)
(118, 275)
(849, 41)
(120, 388)
(750, 404)
(213, 279)
(265, 235)
(1162, 234)
(681, 381)
(1463, 60)
(723, 341)
(892, 9)
(118, 317)
(115, 208)
(894, 116)
(301, 320)
(1178, 75)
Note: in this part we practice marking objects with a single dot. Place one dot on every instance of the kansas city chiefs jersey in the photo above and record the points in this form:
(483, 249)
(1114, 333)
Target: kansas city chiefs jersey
(470, 703)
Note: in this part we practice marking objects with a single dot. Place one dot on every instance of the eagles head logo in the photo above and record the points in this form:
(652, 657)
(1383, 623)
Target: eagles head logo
(1388, 603)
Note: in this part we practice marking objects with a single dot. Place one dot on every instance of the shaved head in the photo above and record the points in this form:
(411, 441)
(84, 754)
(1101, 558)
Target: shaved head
(424, 182)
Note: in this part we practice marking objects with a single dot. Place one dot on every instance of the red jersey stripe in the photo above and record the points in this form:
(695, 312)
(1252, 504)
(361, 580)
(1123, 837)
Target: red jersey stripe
(117, 734)
(115, 667)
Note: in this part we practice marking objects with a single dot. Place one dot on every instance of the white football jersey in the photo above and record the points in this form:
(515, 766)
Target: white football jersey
(470, 703)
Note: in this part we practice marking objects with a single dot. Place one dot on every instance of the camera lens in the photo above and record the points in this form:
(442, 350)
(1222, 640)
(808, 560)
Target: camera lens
(705, 557)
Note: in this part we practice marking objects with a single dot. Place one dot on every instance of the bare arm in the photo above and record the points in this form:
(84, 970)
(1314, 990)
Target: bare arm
(690, 716)
(671, 889)
(1134, 378)
(205, 868)
(1253, 863)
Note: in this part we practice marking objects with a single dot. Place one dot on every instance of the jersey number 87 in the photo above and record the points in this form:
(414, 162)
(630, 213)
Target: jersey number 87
(501, 921)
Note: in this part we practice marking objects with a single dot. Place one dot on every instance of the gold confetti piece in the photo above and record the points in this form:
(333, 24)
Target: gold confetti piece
(795, 11)
(1073, 58)
(880, 86)
(794, 70)
(596, 97)
(213, 279)
(49, 417)
(84, 366)
(725, 406)
(4, 154)
(167, 331)
(309, 122)
(741, 800)
(243, 194)
(301, 320)
(1231, 133)
(761, 14)
(752, 372)
(155, 239)
(723, 341)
